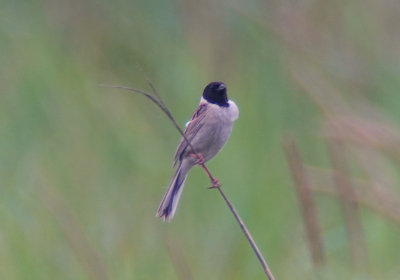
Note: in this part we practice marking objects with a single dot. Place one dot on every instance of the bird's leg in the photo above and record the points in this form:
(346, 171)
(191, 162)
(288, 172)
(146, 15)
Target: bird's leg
(200, 161)
(199, 157)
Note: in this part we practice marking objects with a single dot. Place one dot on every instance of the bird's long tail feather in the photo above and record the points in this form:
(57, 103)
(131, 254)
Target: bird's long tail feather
(169, 203)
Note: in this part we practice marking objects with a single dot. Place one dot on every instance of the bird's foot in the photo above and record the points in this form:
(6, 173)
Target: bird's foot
(216, 184)
(199, 157)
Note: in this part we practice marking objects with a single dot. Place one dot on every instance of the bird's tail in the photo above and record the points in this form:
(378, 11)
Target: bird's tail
(169, 203)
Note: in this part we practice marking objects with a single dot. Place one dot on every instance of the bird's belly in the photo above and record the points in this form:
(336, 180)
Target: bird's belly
(212, 139)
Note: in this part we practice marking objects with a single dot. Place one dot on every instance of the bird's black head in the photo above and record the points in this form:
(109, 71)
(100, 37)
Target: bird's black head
(215, 93)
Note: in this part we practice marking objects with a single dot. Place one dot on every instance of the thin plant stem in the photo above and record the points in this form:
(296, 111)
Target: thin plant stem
(158, 101)
(159, 104)
(248, 236)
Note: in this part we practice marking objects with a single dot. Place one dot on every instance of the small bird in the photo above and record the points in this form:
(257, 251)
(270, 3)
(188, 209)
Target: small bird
(208, 130)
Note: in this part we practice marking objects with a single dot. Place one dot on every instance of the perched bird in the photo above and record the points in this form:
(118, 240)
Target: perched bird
(208, 130)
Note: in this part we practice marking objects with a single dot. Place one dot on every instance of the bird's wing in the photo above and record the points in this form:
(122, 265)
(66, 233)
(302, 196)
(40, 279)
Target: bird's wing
(192, 127)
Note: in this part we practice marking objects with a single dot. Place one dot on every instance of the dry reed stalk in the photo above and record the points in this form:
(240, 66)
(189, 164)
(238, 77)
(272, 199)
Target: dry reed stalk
(348, 199)
(306, 200)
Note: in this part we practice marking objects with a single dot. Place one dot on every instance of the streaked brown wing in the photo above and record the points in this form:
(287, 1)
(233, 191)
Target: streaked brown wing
(195, 123)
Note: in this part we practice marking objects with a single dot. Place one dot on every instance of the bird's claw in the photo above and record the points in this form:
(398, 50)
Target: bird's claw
(216, 184)
(199, 157)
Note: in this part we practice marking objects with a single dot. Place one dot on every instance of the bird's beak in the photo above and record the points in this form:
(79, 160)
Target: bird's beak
(222, 87)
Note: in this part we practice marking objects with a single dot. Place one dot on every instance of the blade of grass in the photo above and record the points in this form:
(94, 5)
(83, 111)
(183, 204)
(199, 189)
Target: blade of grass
(74, 233)
(179, 259)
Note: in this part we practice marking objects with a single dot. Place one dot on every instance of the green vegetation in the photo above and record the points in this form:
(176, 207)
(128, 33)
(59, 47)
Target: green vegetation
(83, 168)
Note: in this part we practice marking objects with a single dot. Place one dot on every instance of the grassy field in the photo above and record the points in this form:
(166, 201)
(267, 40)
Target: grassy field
(83, 168)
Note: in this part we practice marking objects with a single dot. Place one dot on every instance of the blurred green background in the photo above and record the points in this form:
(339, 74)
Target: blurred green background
(83, 168)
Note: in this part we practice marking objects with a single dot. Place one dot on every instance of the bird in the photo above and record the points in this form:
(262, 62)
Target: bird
(208, 130)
